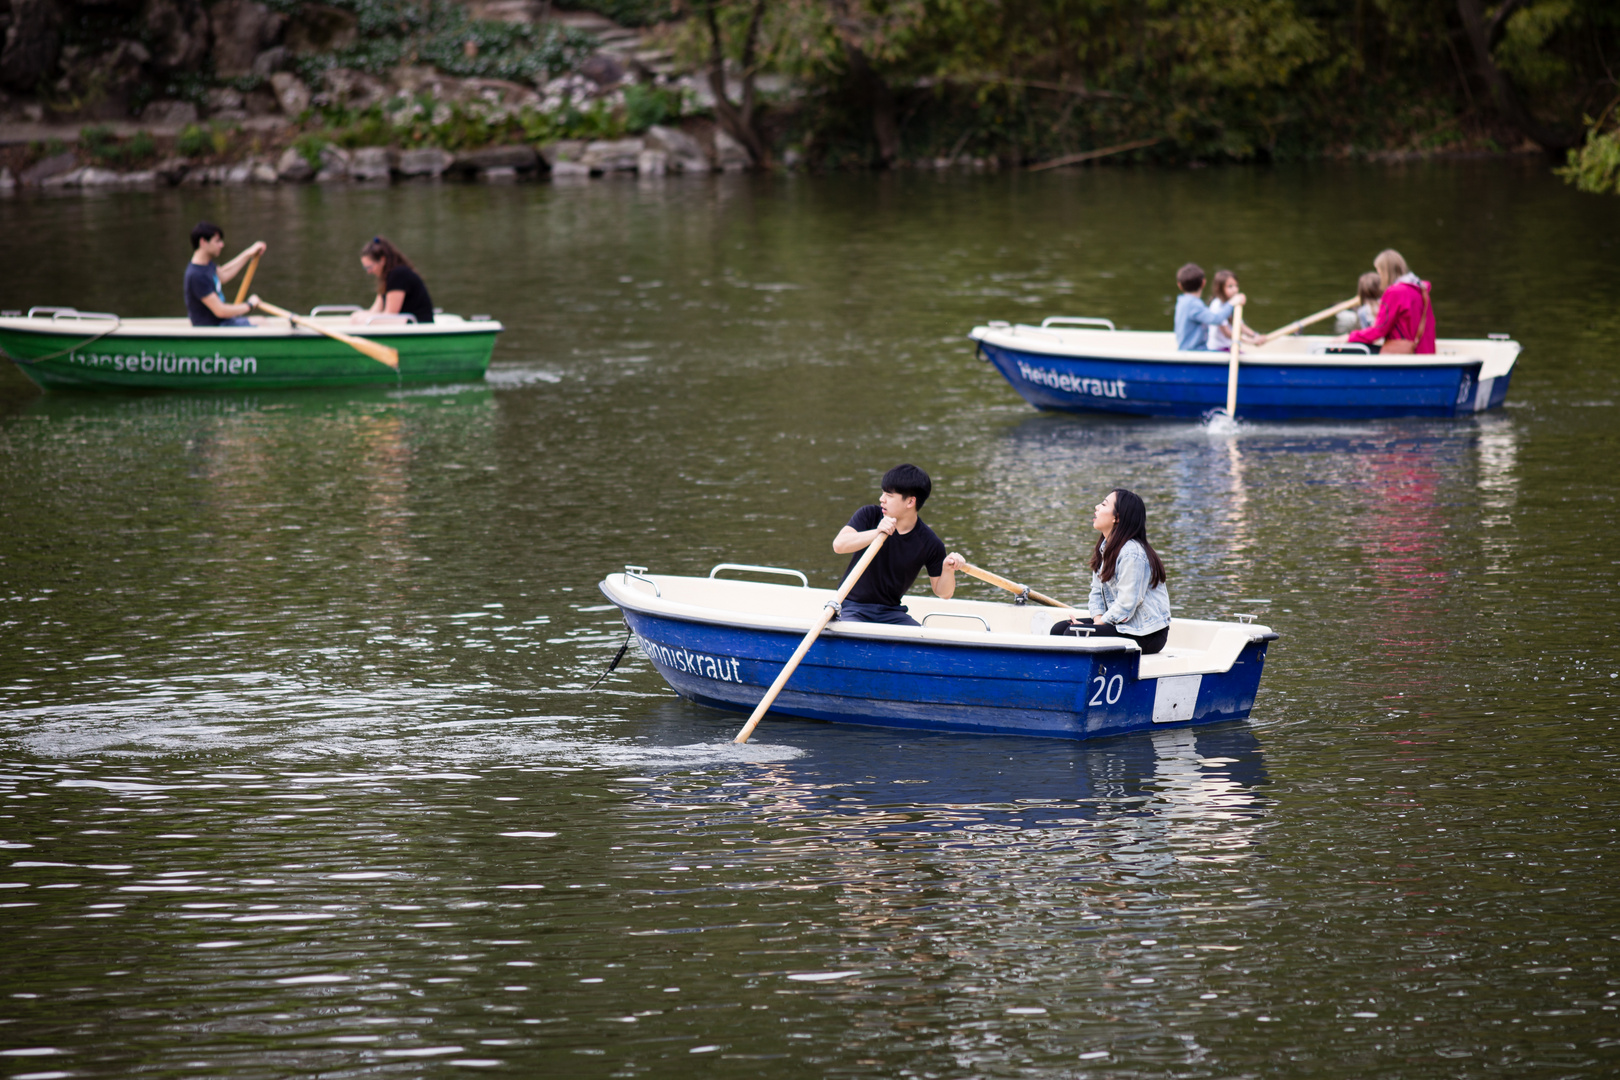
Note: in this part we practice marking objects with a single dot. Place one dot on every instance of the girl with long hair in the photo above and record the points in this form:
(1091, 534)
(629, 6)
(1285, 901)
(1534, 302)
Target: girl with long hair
(1226, 292)
(1128, 594)
(401, 291)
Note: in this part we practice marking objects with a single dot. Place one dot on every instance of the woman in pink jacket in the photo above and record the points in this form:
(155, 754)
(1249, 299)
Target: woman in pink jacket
(1405, 314)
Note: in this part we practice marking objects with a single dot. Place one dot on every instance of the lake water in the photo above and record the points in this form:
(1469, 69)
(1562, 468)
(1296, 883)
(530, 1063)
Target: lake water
(302, 773)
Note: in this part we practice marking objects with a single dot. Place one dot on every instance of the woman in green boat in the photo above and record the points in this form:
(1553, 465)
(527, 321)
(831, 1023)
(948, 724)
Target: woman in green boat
(401, 292)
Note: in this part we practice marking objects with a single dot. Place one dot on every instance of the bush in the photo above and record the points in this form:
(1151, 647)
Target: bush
(309, 147)
(1595, 167)
(441, 33)
(104, 148)
(196, 140)
(193, 141)
(99, 142)
(645, 106)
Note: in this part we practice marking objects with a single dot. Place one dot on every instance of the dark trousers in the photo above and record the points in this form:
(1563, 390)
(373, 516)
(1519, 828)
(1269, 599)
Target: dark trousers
(850, 611)
(1149, 643)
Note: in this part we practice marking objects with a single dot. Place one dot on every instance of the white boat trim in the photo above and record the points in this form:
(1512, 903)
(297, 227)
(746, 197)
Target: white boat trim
(89, 324)
(1195, 647)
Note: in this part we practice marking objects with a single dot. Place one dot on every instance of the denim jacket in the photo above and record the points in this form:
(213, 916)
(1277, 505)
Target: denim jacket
(1193, 320)
(1126, 602)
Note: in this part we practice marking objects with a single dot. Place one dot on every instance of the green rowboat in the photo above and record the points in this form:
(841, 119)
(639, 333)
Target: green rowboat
(61, 348)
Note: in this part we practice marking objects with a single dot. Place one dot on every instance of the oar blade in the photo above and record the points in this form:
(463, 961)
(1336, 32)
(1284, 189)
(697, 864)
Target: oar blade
(383, 354)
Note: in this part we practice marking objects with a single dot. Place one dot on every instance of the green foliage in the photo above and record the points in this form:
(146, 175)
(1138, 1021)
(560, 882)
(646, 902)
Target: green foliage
(309, 147)
(441, 33)
(645, 106)
(104, 148)
(1523, 51)
(200, 140)
(630, 12)
(1595, 166)
(99, 142)
(426, 122)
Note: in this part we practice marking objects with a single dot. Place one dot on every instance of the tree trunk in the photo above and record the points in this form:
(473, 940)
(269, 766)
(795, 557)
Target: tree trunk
(869, 89)
(737, 120)
(1482, 36)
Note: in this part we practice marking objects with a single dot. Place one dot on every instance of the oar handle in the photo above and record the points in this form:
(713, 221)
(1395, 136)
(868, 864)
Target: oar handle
(1232, 367)
(1012, 586)
(1325, 313)
(822, 620)
(247, 278)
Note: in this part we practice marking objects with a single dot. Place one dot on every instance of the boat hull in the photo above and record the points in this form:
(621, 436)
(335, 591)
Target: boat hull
(1090, 379)
(947, 686)
(79, 357)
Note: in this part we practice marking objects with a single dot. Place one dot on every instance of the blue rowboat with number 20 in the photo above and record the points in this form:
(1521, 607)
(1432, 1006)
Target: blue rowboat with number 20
(972, 666)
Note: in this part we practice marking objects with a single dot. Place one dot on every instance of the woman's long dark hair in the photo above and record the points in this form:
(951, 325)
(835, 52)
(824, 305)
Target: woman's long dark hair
(380, 250)
(1130, 523)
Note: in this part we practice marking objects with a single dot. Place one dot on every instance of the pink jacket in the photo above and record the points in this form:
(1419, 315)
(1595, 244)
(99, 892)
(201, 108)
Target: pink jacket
(1398, 315)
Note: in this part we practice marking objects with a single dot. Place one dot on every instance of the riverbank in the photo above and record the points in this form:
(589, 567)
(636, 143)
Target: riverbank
(278, 152)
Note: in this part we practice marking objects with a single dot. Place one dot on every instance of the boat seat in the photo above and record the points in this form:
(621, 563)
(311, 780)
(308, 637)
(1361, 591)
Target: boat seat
(1225, 645)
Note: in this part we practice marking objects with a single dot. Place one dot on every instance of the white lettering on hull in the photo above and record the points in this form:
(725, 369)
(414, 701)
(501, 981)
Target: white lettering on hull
(168, 363)
(1073, 384)
(719, 668)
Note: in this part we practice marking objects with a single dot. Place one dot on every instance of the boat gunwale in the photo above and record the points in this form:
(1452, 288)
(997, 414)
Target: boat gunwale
(80, 328)
(1054, 346)
(624, 597)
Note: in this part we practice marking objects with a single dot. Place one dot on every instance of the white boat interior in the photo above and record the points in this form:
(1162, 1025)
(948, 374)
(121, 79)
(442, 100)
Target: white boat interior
(71, 321)
(1059, 337)
(1195, 646)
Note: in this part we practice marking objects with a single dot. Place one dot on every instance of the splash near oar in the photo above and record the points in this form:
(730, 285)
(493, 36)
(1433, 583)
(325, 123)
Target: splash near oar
(828, 613)
(380, 353)
(1023, 592)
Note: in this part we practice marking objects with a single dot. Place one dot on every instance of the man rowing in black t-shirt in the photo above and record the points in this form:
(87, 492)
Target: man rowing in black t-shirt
(911, 547)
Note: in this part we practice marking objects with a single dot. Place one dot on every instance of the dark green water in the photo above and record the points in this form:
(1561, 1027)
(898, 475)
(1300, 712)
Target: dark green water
(302, 776)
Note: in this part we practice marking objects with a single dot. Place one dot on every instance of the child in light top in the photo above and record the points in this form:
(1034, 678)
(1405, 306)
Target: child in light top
(1192, 317)
(1368, 290)
(1227, 294)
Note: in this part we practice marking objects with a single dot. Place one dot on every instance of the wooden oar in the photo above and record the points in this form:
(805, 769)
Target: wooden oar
(1232, 368)
(380, 353)
(822, 620)
(247, 278)
(1325, 313)
(1013, 586)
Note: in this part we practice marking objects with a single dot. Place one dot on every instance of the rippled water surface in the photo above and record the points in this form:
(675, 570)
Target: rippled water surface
(303, 774)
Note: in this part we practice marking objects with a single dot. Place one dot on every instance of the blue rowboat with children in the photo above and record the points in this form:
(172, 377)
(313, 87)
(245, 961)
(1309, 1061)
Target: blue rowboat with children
(971, 666)
(1086, 365)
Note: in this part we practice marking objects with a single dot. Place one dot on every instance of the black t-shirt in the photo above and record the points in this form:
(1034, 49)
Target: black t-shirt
(417, 302)
(895, 568)
(200, 281)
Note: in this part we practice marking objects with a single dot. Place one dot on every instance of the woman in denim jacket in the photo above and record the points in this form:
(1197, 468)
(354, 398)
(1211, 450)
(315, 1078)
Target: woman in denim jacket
(1128, 595)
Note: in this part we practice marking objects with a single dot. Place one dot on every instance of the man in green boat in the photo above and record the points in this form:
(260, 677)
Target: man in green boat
(204, 284)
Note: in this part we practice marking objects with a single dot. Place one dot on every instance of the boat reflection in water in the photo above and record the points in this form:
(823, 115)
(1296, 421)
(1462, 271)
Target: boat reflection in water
(1172, 787)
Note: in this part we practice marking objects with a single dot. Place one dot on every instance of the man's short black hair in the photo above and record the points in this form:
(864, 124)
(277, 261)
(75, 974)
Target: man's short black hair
(908, 481)
(204, 230)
